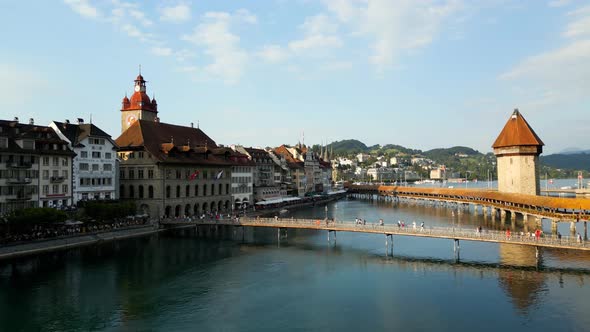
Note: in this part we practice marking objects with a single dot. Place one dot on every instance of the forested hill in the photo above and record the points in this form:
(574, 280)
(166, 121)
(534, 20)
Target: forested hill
(573, 161)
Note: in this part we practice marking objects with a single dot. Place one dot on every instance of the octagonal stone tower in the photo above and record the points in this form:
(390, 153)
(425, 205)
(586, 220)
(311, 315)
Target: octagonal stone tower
(518, 148)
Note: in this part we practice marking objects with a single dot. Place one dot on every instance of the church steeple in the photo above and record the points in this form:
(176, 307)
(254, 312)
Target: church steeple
(139, 106)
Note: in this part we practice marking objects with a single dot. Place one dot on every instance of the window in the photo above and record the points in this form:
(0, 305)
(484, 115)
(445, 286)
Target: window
(84, 154)
(83, 166)
(205, 175)
(122, 191)
(3, 142)
(150, 173)
(131, 191)
(150, 192)
(64, 173)
(64, 162)
(107, 167)
(45, 174)
(131, 174)
(95, 167)
(107, 155)
(140, 191)
(187, 191)
(220, 189)
(212, 190)
(96, 154)
(177, 191)
(178, 174)
(122, 173)
(140, 155)
(55, 161)
(45, 161)
(54, 173)
(64, 188)
(196, 190)
(204, 190)
(55, 189)
(167, 191)
(227, 188)
(140, 173)
(46, 189)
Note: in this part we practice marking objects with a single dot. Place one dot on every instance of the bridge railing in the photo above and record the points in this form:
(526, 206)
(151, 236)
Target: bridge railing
(449, 232)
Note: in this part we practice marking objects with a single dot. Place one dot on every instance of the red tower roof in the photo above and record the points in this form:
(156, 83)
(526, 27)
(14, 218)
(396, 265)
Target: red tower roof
(139, 100)
(517, 132)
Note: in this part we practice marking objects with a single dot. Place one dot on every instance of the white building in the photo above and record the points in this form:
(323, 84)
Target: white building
(95, 167)
(362, 157)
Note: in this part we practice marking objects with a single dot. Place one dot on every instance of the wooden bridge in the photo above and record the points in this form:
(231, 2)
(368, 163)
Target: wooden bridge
(452, 233)
(556, 209)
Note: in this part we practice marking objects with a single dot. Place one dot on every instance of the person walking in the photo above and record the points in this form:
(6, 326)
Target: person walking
(421, 226)
(508, 233)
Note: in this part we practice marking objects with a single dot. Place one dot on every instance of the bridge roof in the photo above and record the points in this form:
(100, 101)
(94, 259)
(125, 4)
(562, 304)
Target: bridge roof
(539, 201)
(517, 132)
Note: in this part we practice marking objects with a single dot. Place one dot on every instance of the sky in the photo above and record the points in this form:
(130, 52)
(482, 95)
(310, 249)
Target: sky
(422, 74)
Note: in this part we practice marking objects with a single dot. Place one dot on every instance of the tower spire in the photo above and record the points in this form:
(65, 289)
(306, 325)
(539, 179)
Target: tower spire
(140, 69)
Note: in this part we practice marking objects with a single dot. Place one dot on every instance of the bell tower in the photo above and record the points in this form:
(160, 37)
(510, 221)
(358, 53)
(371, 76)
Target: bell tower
(139, 106)
(517, 149)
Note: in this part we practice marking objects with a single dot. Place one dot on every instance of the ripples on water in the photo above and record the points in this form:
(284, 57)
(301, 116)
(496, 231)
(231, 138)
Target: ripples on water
(179, 282)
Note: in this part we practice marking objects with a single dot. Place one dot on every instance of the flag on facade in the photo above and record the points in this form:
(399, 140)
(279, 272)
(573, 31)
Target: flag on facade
(218, 176)
(194, 175)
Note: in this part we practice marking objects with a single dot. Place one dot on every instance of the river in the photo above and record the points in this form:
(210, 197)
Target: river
(179, 281)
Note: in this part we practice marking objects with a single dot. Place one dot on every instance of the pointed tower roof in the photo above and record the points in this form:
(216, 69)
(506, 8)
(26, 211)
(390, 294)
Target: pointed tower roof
(517, 132)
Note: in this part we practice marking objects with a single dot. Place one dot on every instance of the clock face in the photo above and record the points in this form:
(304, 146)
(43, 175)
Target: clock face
(131, 119)
(137, 88)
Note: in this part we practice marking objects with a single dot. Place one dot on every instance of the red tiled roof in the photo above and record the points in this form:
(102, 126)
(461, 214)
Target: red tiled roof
(171, 143)
(517, 132)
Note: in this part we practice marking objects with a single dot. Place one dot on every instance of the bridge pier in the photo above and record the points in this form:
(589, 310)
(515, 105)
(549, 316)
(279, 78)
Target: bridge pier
(503, 215)
(573, 228)
(330, 231)
(387, 237)
(553, 226)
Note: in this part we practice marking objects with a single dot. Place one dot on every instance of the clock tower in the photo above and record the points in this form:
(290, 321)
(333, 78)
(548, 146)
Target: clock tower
(139, 106)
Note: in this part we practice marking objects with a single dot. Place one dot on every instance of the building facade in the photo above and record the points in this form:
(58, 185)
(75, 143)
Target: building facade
(35, 167)
(517, 149)
(95, 166)
(169, 170)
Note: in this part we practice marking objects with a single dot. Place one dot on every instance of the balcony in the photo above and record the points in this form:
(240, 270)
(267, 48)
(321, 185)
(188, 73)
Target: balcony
(19, 181)
(14, 164)
(20, 197)
(57, 179)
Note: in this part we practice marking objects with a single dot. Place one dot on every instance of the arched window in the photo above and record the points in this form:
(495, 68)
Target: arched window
(167, 191)
(140, 191)
(177, 191)
(151, 192)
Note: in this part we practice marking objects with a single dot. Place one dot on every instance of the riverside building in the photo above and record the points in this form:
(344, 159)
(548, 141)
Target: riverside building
(95, 166)
(35, 167)
(169, 170)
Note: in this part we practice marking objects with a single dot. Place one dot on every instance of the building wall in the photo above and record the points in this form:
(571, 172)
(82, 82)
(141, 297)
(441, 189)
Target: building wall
(98, 179)
(518, 173)
(19, 181)
(134, 174)
(55, 181)
(242, 178)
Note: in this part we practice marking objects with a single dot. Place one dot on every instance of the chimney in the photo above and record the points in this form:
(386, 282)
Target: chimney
(16, 119)
(80, 121)
(31, 121)
(67, 121)
(192, 125)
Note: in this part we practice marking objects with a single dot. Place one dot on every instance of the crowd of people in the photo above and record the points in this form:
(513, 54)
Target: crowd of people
(52, 231)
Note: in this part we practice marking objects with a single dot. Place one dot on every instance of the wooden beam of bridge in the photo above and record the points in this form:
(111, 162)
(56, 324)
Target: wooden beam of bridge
(556, 208)
(428, 232)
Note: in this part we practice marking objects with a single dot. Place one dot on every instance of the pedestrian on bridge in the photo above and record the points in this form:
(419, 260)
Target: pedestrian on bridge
(421, 226)
(399, 224)
(508, 233)
(559, 237)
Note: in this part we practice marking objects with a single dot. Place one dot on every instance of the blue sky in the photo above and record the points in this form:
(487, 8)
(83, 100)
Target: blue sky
(423, 74)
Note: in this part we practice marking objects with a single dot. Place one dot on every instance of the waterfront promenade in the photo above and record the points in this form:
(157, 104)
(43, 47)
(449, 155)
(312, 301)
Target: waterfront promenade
(452, 233)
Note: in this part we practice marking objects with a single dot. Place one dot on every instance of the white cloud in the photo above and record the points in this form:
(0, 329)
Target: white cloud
(140, 17)
(319, 36)
(558, 3)
(245, 16)
(315, 42)
(83, 7)
(273, 53)
(394, 26)
(221, 45)
(580, 25)
(560, 75)
(162, 51)
(176, 14)
(131, 30)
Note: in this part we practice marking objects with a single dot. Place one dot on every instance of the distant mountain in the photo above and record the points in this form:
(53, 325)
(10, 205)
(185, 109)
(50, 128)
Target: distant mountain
(347, 146)
(572, 161)
(437, 154)
(573, 151)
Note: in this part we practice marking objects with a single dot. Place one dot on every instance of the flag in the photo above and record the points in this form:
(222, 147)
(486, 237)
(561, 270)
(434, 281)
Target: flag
(194, 175)
(218, 176)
